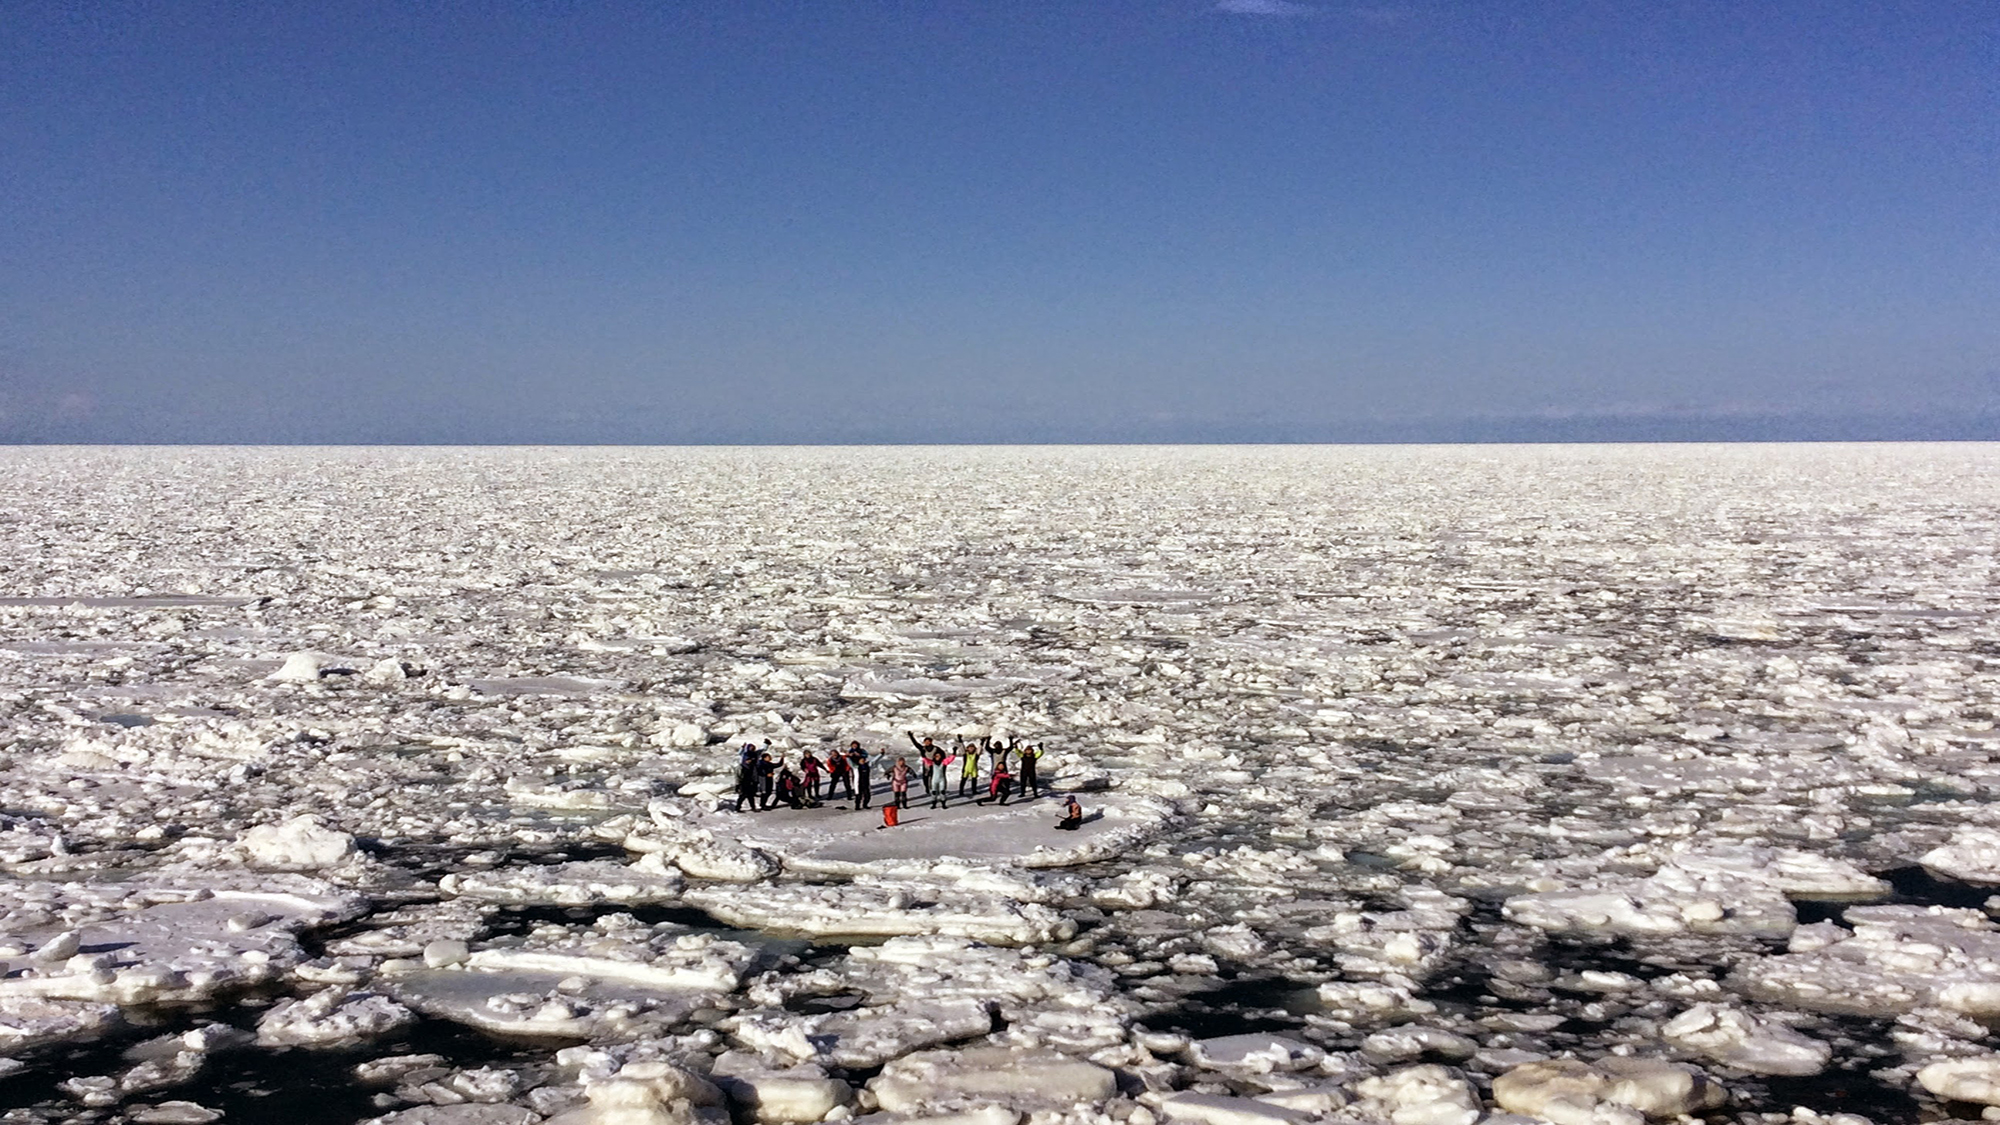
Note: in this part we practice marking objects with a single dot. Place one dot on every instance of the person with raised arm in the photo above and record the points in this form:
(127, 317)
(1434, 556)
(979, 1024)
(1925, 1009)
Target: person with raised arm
(767, 781)
(996, 754)
(968, 770)
(839, 775)
(937, 777)
(864, 789)
(1031, 786)
(924, 751)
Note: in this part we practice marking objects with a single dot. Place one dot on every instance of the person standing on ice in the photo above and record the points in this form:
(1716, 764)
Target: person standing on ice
(1031, 786)
(864, 789)
(992, 749)
(767, 780)
(809, 774)
(746, 781)
(925, 750)
(968, 770)
(899, 783)
(838, 775)
(937, 777)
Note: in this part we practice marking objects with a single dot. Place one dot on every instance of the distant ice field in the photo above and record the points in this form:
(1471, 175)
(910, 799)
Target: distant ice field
(1426, 784)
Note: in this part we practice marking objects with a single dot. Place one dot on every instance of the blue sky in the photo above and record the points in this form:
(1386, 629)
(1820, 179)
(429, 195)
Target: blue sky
(743, 220)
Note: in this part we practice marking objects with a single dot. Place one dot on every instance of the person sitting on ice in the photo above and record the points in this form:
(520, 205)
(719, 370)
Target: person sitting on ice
(790, 790)
(1002, 785)
(1072, 817)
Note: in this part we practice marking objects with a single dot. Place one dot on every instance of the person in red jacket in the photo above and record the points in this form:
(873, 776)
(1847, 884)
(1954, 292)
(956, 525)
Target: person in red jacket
(1002, 785)
(809, 775)
(839, 775)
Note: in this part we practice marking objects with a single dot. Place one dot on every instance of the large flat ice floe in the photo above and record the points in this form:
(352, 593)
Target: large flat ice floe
(838, 839)
(1423, 786)
(616, 980)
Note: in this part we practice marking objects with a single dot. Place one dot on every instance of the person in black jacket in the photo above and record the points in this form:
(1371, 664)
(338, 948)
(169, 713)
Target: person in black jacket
(767, 780)
(746, 783)
(1031, 786)
(864, 789)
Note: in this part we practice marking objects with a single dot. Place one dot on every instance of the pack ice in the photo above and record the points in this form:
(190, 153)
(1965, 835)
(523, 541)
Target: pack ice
(1428, 786)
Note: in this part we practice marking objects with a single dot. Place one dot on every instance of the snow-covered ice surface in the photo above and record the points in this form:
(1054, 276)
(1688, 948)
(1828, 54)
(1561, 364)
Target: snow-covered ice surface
(1577, 783)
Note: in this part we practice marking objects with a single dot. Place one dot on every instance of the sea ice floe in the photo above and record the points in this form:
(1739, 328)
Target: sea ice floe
(1734, 1037)
(696, 850)
(779, 1095)
(1411, 943)
(1895, 960)
(31, 1022)
(1421, 1095)
(647, 1092)
(173, 951)
(880, 910)
(1973, 854)
(299, 844)
(1254, 1053)
(471, 1113)
(927, 1082)
(1724, 890)
(618, 980)
(577, 883)
(915, 992)
(1373, 1001)
(332, 1017)
(1974, 1079)
(1224, 1109)
(1613, 1091)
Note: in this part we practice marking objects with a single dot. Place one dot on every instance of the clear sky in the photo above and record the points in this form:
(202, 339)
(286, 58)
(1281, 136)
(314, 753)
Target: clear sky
(1004, 220)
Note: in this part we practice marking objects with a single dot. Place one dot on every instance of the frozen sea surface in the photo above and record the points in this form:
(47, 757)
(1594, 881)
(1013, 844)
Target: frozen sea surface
(1429, 784)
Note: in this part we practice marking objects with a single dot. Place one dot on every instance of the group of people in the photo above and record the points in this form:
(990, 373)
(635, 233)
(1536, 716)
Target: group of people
(765, 780)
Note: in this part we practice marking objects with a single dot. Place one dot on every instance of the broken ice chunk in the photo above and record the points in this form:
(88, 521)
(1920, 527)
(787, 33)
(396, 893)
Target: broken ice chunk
(779, 1095)
(299, 844)
(1975, 1079)
(1020, 1079)
(332, 1017)
(1737, 1038)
